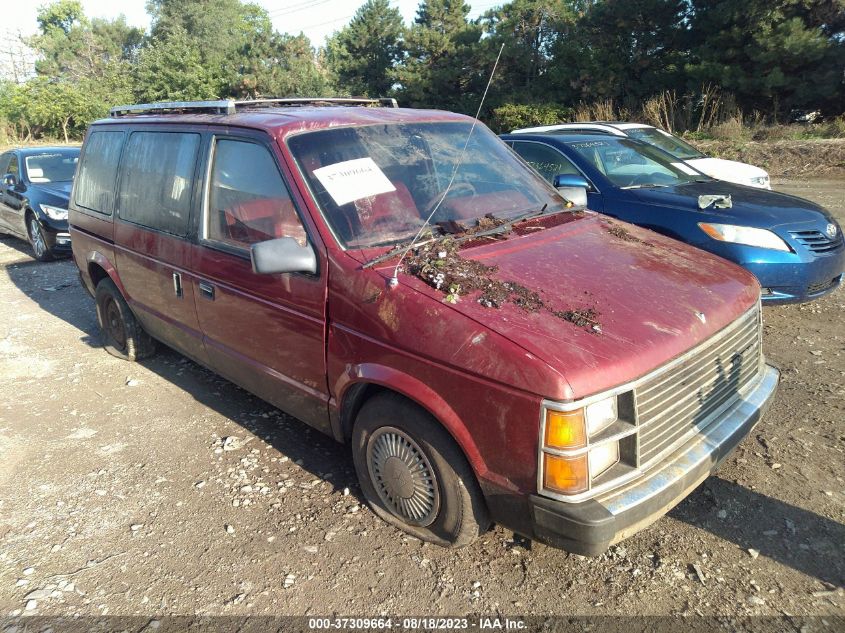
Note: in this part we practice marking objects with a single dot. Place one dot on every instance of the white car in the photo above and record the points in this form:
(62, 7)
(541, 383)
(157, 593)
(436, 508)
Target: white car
(729, 170)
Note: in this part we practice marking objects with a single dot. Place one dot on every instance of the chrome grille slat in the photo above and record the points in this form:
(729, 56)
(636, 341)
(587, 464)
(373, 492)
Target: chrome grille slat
(698, 374)
(745, 324)
(715, 399)
(681, 405)
(817, 241)
(672, 404)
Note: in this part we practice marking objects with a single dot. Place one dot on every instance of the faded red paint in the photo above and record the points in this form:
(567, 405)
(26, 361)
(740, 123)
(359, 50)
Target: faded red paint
(481, 372)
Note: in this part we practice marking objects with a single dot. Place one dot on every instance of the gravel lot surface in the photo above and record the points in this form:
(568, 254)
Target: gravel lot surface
(158, 488)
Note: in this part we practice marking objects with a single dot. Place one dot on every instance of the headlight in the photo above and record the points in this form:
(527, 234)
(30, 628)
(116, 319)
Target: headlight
(759, 181)
(579, 445)
(54, 213)
(747, 235)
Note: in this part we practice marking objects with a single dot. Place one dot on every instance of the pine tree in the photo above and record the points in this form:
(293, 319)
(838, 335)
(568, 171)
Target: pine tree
(362, 54)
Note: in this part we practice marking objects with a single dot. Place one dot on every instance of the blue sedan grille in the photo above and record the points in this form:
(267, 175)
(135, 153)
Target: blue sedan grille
(818, 242)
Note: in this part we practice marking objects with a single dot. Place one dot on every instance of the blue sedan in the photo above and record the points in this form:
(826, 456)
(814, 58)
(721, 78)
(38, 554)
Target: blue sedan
(793, 246)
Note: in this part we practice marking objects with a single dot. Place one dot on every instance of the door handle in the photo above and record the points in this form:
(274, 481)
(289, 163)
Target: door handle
(207, 290)
(177, 284)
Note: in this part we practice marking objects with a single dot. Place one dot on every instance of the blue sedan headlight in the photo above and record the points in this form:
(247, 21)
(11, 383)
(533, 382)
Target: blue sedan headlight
(747, 235)
(54, 213)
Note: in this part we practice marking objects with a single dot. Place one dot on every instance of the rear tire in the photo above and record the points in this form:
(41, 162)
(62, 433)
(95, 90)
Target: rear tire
(38, 240)
(414, 475)
(123, 336)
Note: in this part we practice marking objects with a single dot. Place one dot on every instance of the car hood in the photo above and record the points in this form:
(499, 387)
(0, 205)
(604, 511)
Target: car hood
(655, 299)
(729, 170)
(55, 189)
(751, 206)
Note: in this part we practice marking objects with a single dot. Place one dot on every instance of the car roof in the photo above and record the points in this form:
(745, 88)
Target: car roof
(565, 139)
(613, 125)
(48, 149)
(284, 121)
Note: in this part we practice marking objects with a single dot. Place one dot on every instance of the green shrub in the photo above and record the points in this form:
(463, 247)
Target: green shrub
(512, 116)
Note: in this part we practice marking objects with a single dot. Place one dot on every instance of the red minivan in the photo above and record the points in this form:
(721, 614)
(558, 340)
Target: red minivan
(403, 282)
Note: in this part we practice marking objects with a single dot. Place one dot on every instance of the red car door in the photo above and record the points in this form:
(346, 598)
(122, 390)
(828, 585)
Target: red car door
(263, 332)
(155, 195)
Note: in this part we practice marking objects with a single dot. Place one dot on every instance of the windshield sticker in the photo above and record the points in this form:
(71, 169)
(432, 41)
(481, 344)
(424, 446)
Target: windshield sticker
(352, 180)
(689, 171)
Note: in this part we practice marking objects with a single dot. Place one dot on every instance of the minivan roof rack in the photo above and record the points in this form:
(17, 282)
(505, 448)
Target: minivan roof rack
(229, 106)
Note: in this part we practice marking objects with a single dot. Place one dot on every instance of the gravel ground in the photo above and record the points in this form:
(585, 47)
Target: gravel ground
(158, 488)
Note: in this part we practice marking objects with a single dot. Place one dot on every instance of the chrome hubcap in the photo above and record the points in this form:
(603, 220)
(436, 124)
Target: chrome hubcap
(403, 476)
(38, 244)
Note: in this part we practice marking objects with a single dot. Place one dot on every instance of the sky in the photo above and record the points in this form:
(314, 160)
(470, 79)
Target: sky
(316, 18)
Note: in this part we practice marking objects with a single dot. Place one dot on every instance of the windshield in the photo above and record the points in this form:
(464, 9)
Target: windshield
(666, 142)
(377, 184)
(630, 164)
(57, 167)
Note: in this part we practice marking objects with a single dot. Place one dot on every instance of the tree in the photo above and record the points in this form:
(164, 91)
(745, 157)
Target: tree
(772, 54)
(626, 51)
(171, 69)
(74, 47)
(442, 67)
(232, 49)
(363, 53)
(529, 30)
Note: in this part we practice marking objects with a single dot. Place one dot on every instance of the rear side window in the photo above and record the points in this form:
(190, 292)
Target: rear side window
(157, 179)
(247, 198)
(547, 160)
(95, 181)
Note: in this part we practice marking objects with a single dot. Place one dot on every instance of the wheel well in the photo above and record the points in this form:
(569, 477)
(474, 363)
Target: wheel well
(353, 401)
(97, 273)
(26, 216)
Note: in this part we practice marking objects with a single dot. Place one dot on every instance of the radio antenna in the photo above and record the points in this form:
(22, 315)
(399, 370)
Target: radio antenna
(394, 280)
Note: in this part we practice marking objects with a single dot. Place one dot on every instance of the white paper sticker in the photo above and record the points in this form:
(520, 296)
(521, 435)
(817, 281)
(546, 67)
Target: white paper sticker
(353, 180)
(685, 168)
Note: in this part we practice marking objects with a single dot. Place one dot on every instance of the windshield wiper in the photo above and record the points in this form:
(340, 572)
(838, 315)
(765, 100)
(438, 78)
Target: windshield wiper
(501, 228)
(645, 186)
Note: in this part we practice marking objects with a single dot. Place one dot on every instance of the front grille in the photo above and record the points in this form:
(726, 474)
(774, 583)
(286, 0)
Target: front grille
(817, 241)
(823, 285)
(674, 402)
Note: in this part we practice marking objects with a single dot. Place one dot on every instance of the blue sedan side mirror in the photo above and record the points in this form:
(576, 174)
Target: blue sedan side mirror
(573, 187)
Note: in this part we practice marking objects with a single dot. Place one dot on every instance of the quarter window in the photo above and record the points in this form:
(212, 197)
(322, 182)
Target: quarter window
(94, 188)
(248, 201)
(13, 167)
(546, 160)
(157, 180)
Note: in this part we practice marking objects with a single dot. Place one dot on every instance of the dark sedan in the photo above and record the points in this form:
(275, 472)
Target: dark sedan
(793, 246)
(34, 196)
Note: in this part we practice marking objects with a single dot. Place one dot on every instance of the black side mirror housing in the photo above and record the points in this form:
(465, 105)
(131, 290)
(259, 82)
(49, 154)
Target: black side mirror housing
(282, 255)
(573, 187)
(10, 180)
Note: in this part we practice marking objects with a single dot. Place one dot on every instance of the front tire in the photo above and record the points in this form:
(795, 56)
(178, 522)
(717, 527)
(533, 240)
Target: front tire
(38, 240)
(414, 475)
(123, 336)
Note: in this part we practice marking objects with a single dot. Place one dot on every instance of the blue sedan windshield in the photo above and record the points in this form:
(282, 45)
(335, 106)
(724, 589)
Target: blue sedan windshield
(630, 164)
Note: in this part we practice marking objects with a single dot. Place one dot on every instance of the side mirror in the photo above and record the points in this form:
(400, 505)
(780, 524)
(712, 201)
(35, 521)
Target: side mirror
(282, 255)
(10, 180)
(573, 187)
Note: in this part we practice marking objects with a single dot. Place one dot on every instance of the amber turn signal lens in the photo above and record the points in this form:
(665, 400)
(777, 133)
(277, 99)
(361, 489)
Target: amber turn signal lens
(565, 429)
(565, 475)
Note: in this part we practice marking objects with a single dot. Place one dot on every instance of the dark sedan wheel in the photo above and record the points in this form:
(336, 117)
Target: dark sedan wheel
(38, 240)
(123, 336)
(414, 475)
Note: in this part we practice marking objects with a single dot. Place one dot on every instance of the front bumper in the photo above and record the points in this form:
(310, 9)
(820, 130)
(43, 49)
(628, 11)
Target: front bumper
(590, 527)
(57, 235)
(798, 281)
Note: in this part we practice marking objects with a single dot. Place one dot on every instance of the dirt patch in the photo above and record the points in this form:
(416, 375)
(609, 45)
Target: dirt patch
(441, 266)
(622, 233)
(823, 157)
